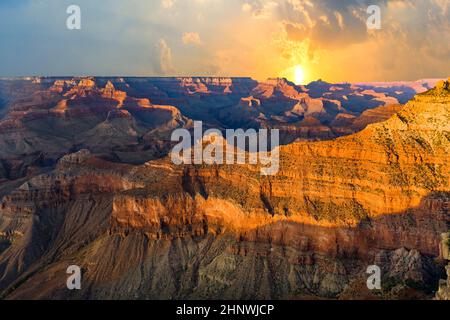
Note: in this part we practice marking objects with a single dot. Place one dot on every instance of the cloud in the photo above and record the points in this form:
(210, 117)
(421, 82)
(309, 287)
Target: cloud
(167, 4)
(191, 38)
(333, 39)
(246, 7)
(260, 9)
(164, 65)
(327, 24)
(259, 38)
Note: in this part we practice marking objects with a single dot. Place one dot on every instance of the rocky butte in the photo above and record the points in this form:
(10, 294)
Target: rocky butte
(444, 285)
(155, 230)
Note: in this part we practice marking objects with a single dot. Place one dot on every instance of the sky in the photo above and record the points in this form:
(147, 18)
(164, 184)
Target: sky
(324, 39)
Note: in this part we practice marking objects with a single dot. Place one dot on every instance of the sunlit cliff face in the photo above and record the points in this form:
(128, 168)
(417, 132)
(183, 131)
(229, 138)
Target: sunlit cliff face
(259, 38)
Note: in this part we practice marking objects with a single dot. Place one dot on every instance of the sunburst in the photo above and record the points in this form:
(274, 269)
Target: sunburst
(299, 75)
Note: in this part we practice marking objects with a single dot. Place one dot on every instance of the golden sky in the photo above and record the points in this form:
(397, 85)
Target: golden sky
(326, 39)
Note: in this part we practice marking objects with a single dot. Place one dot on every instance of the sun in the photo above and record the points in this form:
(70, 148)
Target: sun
(299, 75)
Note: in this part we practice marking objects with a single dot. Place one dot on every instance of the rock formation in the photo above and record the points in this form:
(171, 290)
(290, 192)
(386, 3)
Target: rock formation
(158, 230)
(444, 285)
(141, 227)
(110, 92)
(250, 102)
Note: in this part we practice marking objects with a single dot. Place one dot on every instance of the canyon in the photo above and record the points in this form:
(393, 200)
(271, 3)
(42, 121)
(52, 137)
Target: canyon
(85, 179)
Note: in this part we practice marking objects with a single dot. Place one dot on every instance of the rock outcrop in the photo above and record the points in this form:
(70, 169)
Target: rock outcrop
(444, 285)
(110, 92)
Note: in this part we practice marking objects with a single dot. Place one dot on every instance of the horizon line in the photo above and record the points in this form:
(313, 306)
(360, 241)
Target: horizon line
(30, 77)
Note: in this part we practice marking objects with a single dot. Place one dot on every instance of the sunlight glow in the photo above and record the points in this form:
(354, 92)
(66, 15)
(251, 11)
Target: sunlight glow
(299, 75)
